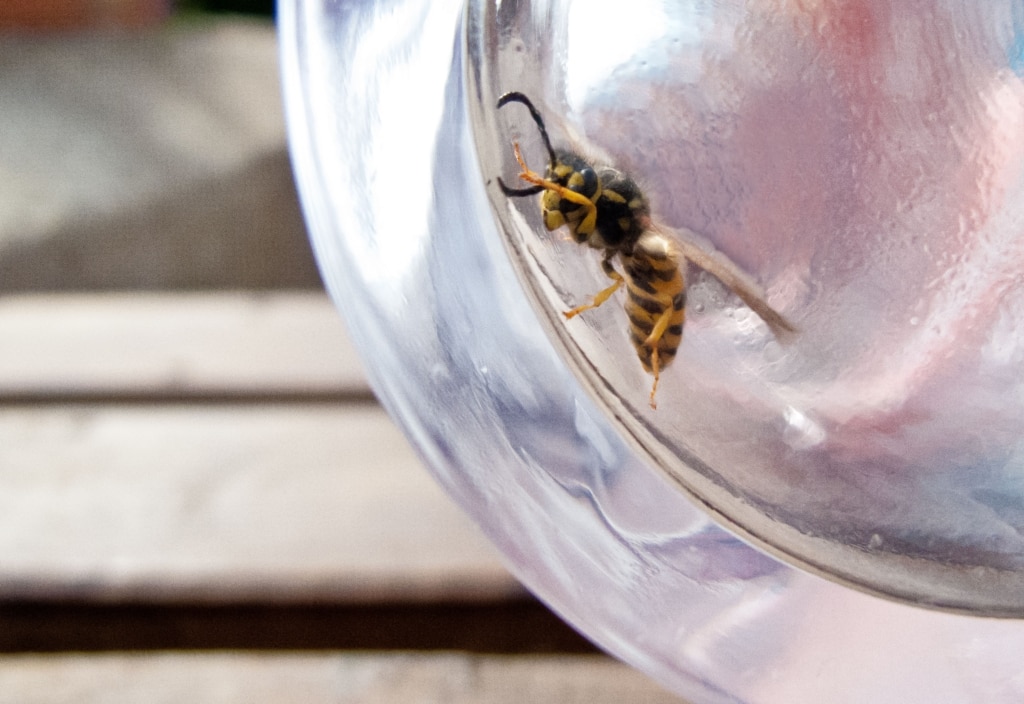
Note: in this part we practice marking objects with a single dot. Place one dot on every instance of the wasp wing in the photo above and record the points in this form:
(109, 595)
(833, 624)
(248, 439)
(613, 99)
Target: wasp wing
(692, 247)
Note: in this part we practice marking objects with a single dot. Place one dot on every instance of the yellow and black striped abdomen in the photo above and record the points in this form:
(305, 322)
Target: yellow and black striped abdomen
(655, 301)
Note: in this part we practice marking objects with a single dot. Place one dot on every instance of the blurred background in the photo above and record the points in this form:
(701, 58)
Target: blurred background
(200, 499)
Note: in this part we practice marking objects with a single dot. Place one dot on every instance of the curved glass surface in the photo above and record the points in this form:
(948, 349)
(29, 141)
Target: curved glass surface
(389, 121)
(876, 189)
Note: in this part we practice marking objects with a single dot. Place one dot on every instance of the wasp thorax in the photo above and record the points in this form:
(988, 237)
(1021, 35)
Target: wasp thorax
(622, 210)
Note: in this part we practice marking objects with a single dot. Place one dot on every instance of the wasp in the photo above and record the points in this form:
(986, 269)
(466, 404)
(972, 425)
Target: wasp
(605, 209)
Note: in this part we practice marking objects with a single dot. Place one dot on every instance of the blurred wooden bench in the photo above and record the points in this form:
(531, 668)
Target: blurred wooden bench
(196, 471)
(213, 448)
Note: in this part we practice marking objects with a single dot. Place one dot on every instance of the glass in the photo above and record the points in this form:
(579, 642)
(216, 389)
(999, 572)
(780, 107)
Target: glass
(874, 184)
(540, 428)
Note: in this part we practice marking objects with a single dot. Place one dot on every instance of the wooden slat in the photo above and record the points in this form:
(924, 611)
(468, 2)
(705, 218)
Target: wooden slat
(174, 345)
(228, 503)
(218, 678)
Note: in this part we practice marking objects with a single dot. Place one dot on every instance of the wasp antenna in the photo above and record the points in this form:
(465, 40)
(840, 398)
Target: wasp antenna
(517, 97)
(518, 192)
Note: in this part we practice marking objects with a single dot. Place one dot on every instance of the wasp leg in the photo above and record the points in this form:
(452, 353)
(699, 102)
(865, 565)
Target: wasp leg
(588, 221)
(600, 298)
(604, 294)
(656, 372)
(652, 343)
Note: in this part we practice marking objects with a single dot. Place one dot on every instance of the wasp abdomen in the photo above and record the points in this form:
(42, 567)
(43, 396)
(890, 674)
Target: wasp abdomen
(655, 301)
